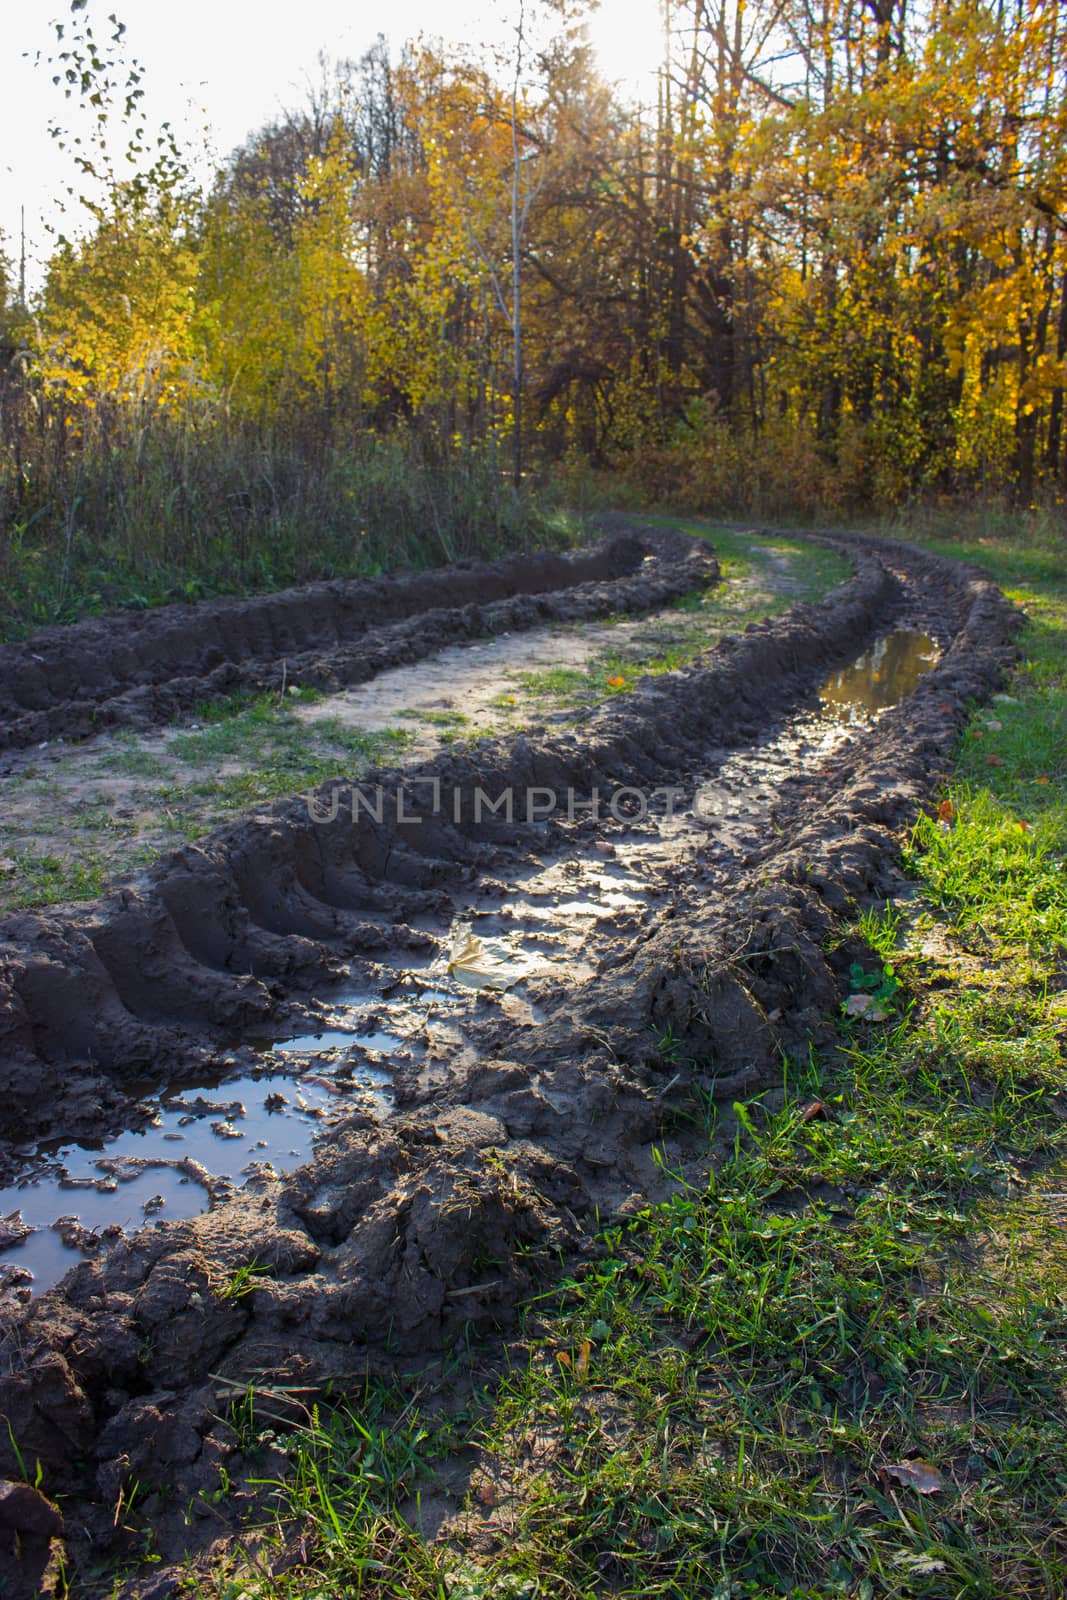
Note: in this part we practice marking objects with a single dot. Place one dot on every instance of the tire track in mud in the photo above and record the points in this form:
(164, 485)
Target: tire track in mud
(141, 669)
(403, 1232)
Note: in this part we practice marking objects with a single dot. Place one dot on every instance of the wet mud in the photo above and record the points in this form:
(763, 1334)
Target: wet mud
(141, 669)
(679, 948)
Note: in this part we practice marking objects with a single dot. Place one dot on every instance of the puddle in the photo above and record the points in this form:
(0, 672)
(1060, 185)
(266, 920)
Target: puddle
(379, 1042)
(203, 1141)
(884, 675)
(200, 1144)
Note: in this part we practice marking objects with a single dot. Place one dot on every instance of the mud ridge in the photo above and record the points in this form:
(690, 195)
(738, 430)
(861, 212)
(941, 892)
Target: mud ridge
(142, 669)
(399, 1235)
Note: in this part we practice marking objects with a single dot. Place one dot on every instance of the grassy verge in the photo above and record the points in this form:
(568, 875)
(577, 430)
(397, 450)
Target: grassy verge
(138, 519)
(838, 1369)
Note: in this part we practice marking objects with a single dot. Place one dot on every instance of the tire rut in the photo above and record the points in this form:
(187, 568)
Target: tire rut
(141, 669)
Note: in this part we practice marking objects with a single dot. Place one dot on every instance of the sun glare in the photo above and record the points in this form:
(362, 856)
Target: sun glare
(628, 39)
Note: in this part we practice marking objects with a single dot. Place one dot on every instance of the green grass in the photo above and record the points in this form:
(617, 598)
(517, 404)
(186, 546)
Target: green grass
(40, 879)
(277, 755)
(436, 719)
(730, 1399)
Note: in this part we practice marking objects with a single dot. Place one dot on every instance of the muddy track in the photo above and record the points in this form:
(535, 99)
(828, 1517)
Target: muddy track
(402, 1232)
(142, 669)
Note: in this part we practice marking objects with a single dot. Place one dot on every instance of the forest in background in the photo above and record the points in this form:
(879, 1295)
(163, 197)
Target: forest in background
(826, 274)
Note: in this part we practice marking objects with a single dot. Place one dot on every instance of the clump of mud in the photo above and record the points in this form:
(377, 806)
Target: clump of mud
(506, 1146)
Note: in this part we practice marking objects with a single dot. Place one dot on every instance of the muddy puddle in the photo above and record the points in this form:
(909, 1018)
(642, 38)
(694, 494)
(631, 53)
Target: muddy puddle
(195, 1148)
(881, 677)
(201, 1142)
(545, 928)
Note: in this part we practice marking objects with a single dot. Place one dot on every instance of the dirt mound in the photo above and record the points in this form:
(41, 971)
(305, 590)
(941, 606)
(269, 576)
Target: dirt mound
(399, 1235)
(140, 669)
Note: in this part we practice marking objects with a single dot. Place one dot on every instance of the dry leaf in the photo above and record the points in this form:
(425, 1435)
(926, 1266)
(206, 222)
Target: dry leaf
(977, 733)
(865, 1006)
(945, 813)
(616, 683)
(488, 963)
(917, 1475)
(604, 847)
(1042, 780)
(993, 726)
(581, 1363)
(813, 1109)
(923, 1566)
(994, 761)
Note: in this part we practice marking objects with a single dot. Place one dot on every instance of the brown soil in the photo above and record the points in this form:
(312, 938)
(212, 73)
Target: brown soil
(407, 1232)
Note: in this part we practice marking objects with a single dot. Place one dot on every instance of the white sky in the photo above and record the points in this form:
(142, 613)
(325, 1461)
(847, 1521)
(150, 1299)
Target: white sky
(233, 64)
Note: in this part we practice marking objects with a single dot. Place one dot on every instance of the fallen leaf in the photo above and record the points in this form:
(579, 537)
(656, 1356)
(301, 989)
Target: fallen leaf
(994, 727)
(1042, 780)
(977, 733)
(775, 1015)
(917, 1475)
(616, 683)
(581, 1364)
(486, 1494)
(945, 812)
(813, 1109)
(865, 1006)
(1024, 825)
(488, 963)
(994, 761)
(7, 865)
(923, 1566)
(604, 847)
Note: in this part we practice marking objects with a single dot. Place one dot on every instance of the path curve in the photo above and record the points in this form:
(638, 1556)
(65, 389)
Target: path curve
(377, 1250)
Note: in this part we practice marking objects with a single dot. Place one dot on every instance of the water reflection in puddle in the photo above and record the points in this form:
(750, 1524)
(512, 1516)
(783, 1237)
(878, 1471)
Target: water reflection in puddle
(206, 1139)
(202, 1142)
(884, 675)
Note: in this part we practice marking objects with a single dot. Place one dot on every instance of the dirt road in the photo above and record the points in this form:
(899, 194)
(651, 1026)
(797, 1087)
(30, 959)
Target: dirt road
(652, 935)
